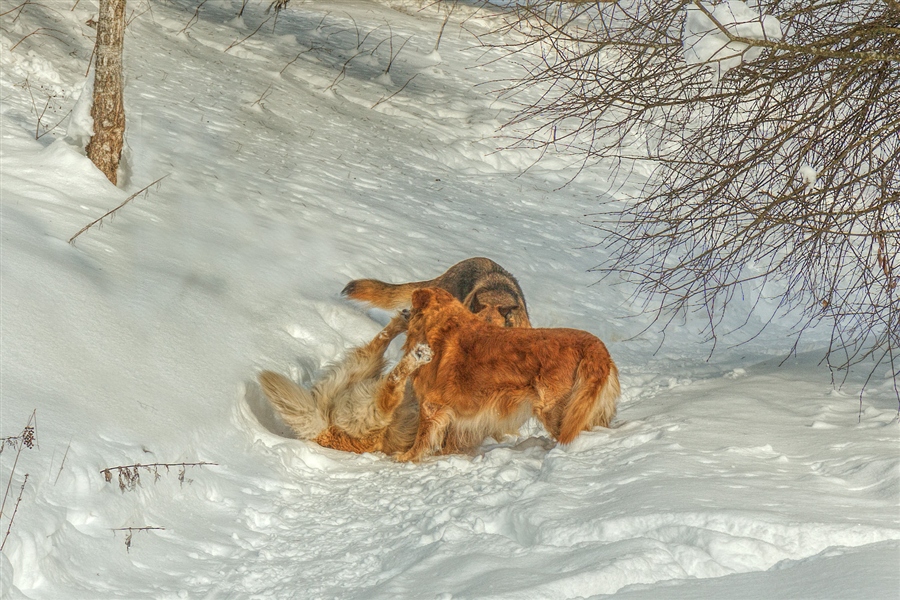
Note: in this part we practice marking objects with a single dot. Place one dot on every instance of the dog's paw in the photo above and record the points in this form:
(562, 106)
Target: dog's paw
(423, 353)
(401, 320)
(395, 327)
(409, 456)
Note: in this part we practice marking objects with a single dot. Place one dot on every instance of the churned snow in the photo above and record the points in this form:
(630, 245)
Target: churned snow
(292, 165)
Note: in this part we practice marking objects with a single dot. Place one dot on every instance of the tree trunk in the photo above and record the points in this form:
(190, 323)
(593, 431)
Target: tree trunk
(108, 111)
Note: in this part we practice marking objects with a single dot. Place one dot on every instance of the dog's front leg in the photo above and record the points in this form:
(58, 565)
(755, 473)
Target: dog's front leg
(434, 420)
(367, 362)
(379, 344)
(392, 389)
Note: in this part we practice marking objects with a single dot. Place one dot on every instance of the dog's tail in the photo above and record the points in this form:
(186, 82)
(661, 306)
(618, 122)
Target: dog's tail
(594, 395)
(297, 407)
(389, 296)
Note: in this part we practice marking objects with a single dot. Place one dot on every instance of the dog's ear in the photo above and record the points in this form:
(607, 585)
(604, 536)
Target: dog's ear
(473, 303)
(443, 297)
(422, 298)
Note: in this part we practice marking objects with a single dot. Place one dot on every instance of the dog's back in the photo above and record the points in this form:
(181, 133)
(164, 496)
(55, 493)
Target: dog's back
(483, 286)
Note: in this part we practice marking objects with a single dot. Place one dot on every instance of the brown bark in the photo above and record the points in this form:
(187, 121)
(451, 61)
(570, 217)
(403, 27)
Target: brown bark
(108, 111)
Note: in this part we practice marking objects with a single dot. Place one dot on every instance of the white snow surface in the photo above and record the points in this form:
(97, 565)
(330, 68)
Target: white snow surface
(808, 175)
(705, 42)
(735, 476)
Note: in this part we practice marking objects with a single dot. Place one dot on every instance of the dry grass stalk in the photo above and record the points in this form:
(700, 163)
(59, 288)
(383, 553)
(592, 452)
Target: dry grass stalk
(129, 476)
(26, 439)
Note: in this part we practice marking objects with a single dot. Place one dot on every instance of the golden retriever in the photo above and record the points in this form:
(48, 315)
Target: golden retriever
(482, 378)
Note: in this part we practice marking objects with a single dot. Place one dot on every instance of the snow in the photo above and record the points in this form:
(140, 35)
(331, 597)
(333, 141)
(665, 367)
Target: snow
(808, 175)
(705, 42)
(80, 125)
(742, 476)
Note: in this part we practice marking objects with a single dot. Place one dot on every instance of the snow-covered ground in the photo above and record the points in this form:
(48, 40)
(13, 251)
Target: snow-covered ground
(290, 169)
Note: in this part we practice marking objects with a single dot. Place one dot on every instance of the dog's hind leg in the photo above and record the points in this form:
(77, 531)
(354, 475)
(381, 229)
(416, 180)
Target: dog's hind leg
(338, 439)
(391, 393)
(434, 421)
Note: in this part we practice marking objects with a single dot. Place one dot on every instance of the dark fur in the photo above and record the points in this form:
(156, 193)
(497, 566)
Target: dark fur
(484, 287)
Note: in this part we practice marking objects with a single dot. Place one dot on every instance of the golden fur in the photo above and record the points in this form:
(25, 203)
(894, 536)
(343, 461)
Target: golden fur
(484, 287)
(354, 407)
(482, 378)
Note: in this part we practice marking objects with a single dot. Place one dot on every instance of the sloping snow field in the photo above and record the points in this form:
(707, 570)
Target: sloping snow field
(294, 162)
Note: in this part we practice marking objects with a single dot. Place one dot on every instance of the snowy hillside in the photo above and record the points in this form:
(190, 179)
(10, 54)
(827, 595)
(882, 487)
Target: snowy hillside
(294, 161)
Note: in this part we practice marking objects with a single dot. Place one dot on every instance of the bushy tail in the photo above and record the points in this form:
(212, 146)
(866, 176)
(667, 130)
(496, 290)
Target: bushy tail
(608, 400)
(388, 296)
(296, 405)
(594, 395)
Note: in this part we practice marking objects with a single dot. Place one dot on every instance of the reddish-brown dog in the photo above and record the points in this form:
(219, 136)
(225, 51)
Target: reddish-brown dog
(483, 378)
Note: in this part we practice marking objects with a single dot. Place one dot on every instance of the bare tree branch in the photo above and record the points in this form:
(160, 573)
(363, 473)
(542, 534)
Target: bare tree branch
(772, 142)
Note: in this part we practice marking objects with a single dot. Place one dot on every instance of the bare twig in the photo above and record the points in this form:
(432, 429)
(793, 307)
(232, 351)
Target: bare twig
(37, 127)
(38, 31)
(40, 116)
(263, 96)
(130, 531)
(15, 510)
(134, 14)
(58, 123)
(773, 165)
(447, 15)
(27, 85)
(63, 463)
(20, 8)
(278, 5)
(343, 72)
(91, 58)
(403, 87)
(241, 41)
(108, 213)
(194, 18)
(393, 57)
(299, 54)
